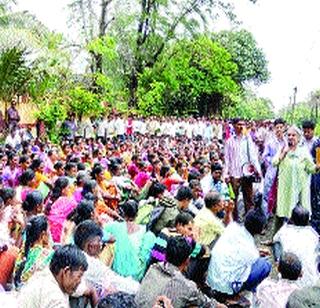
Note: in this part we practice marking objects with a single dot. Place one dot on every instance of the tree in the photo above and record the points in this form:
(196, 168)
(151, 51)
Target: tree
(19, 29)
(143, 30)
(92, 19)
(247, 105)
(314, 104)
(84, 103)
(15, 73)
(251, 61)
(160, 22)
(192, 77)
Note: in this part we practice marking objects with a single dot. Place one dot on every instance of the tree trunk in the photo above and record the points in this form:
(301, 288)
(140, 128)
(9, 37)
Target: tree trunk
(133, 87)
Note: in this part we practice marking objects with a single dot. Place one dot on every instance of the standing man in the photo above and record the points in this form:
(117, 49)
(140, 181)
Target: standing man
(13, 115)
(272, 147)
(313, 145)
(241, 164)
(308, 134)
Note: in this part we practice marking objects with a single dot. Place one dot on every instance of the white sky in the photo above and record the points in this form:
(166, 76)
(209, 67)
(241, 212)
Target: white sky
(287, 30)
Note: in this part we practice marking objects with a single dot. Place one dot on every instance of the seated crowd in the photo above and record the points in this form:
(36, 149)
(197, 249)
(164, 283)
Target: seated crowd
(143, 221)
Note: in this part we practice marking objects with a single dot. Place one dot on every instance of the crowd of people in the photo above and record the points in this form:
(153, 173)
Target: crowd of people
(160, 212)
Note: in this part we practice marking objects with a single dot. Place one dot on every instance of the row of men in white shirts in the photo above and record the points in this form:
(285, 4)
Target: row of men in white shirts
(113, 126)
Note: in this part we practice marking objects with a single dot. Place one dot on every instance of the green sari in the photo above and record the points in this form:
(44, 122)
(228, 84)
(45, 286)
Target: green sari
(132, 251)
(38, 259)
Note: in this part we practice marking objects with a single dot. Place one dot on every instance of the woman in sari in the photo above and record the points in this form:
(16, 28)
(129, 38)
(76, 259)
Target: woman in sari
(32, 205)
(11, 172)
(108, 190)
(36, 254)
(105, 213)
(27, 184)
(84, 211)
(59, 206)
(133, 243)
(42, 182)
(8, 251)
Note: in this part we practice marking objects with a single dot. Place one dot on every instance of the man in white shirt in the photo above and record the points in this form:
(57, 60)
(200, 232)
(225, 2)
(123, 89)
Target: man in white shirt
(13, 139)
(302, 240)
(235, 263)
(51, 288)
(120, 128)
(308, 134)
(102, 129)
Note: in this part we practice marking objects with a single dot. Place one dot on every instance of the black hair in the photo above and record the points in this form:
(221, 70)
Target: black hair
(183, 219)
(50, 152)
(299, 216)
(164, 170)
(81, 176)
(86, 231)
(308, 124)
(36, 163)
(74, 160)
(255, 221)
(88, 187)
(90, 197)
(211, 199)
(118, 300)
(60, 184)
(7, 194)
(81, 167)
(82, 212)
(32, 201)
(69, 166)
(33, 231)
(156, 189)
(135, 157)
(58, 165)
(279, 121)
(129, 209)
(23, 159)
(113, 167)
(236, 120)
(178, 250)
(26, 177)
(184, 193)
(290, 266)
(96, 170)
(216, 167)
(68, 256)
(193, 175)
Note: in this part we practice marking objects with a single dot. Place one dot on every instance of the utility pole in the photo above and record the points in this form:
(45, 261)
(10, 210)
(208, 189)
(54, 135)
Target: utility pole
(295, 89)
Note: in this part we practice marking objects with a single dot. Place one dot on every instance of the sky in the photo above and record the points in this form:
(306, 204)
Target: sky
(288, 31)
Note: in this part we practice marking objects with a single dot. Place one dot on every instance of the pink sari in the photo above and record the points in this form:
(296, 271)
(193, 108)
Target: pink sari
(58, 214)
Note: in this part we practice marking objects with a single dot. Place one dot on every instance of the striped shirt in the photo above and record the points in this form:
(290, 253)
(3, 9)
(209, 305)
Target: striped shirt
(240, 150)
(158, 253)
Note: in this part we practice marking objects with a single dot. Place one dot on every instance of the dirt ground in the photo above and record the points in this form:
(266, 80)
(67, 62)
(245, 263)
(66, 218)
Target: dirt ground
(266, 236)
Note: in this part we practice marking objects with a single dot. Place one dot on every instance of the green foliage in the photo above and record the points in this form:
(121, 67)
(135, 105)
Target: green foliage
(187, 74)
(84, 103)
(15, 73)
(248, 106)
(19, 29)
(52, 112)
(251, 61)
(297, 115)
